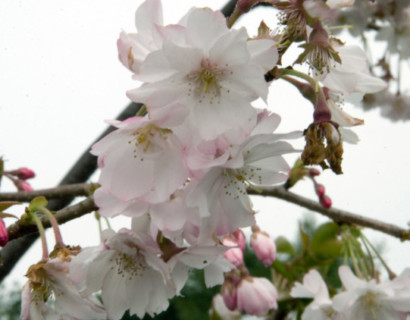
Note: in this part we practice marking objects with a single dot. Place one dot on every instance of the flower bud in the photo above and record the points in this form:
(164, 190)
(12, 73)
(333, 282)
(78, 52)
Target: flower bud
(22, 185)
(326, 202)
(264, 247)
(4, 236)
(235, 254)
(229, 295)
(320, 190)
(256, 296)
(23, 173)
(239, 238)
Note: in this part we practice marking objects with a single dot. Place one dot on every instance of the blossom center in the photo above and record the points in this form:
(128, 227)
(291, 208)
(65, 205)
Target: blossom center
(205, 82)
(146, 139)
(129, 265)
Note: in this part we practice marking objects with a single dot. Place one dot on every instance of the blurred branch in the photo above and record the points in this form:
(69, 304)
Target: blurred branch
(337, 215)
(17, 230)
(80, 172)
(61, 192)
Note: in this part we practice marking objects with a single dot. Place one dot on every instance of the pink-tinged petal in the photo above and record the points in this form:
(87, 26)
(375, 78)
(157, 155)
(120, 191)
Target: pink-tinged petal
(114, 296)
(155, 68)
(148, 14)
(204, 27)
(300, 291)
(248, 81)
(230, 49)
(182, 59)
(214, 273)
(349, 280)
(342, 118)
(25, 302)
(314, 282)
(139, 291)
(264, 53)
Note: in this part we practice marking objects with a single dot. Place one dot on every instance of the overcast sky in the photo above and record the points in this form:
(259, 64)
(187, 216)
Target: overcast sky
(60, 79)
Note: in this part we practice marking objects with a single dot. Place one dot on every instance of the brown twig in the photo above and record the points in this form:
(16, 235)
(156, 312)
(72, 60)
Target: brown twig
(61, 192)
(337, 215)
(82, 189)
(17, 230)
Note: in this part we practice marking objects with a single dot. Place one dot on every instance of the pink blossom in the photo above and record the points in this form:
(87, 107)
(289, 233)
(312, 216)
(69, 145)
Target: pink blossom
(256, 296)
(371, 300)
(315, 287)
(50, 278)
(140, 161)
(215, 74)
(264, 247)
(125, 266)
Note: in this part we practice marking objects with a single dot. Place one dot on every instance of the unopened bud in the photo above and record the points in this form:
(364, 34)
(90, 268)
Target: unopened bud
(22, 185)
(23, 173)
(239, 238)
(229, 295)
(320, 190)
(264, 247)
(235, 254)
(4, 236)
(326, 202)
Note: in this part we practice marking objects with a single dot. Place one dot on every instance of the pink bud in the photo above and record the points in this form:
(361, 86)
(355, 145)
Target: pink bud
(256, 296)
(23, 185)
(320, 190)
(24, 173)
(326, 202)
(239, 238)
(229, 294)
(4, 236)
(234, 255)
(264, 247)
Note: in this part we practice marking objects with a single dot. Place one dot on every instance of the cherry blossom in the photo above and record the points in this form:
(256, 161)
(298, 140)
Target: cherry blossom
(215, 74)
(315, 287)
(50, 279)
(370, 300)
(140, 160)
(128, 272)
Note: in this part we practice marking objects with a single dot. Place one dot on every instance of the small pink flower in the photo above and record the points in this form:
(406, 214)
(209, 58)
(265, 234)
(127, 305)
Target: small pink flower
(4, 236)
(264, 247)
(256, 296)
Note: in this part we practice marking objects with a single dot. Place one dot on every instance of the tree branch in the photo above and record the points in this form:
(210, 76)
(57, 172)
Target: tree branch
(17, 230)
(337, 215)
(60, 192)
(81, 189)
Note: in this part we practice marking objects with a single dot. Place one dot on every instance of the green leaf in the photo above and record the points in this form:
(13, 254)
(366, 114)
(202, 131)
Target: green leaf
(37, 204)
(283, 245)
(7, 204)
(325, 240)
(281, 268)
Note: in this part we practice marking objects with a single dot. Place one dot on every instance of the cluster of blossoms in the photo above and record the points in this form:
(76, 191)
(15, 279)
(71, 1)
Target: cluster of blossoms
(181, 168)
(361, 300)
